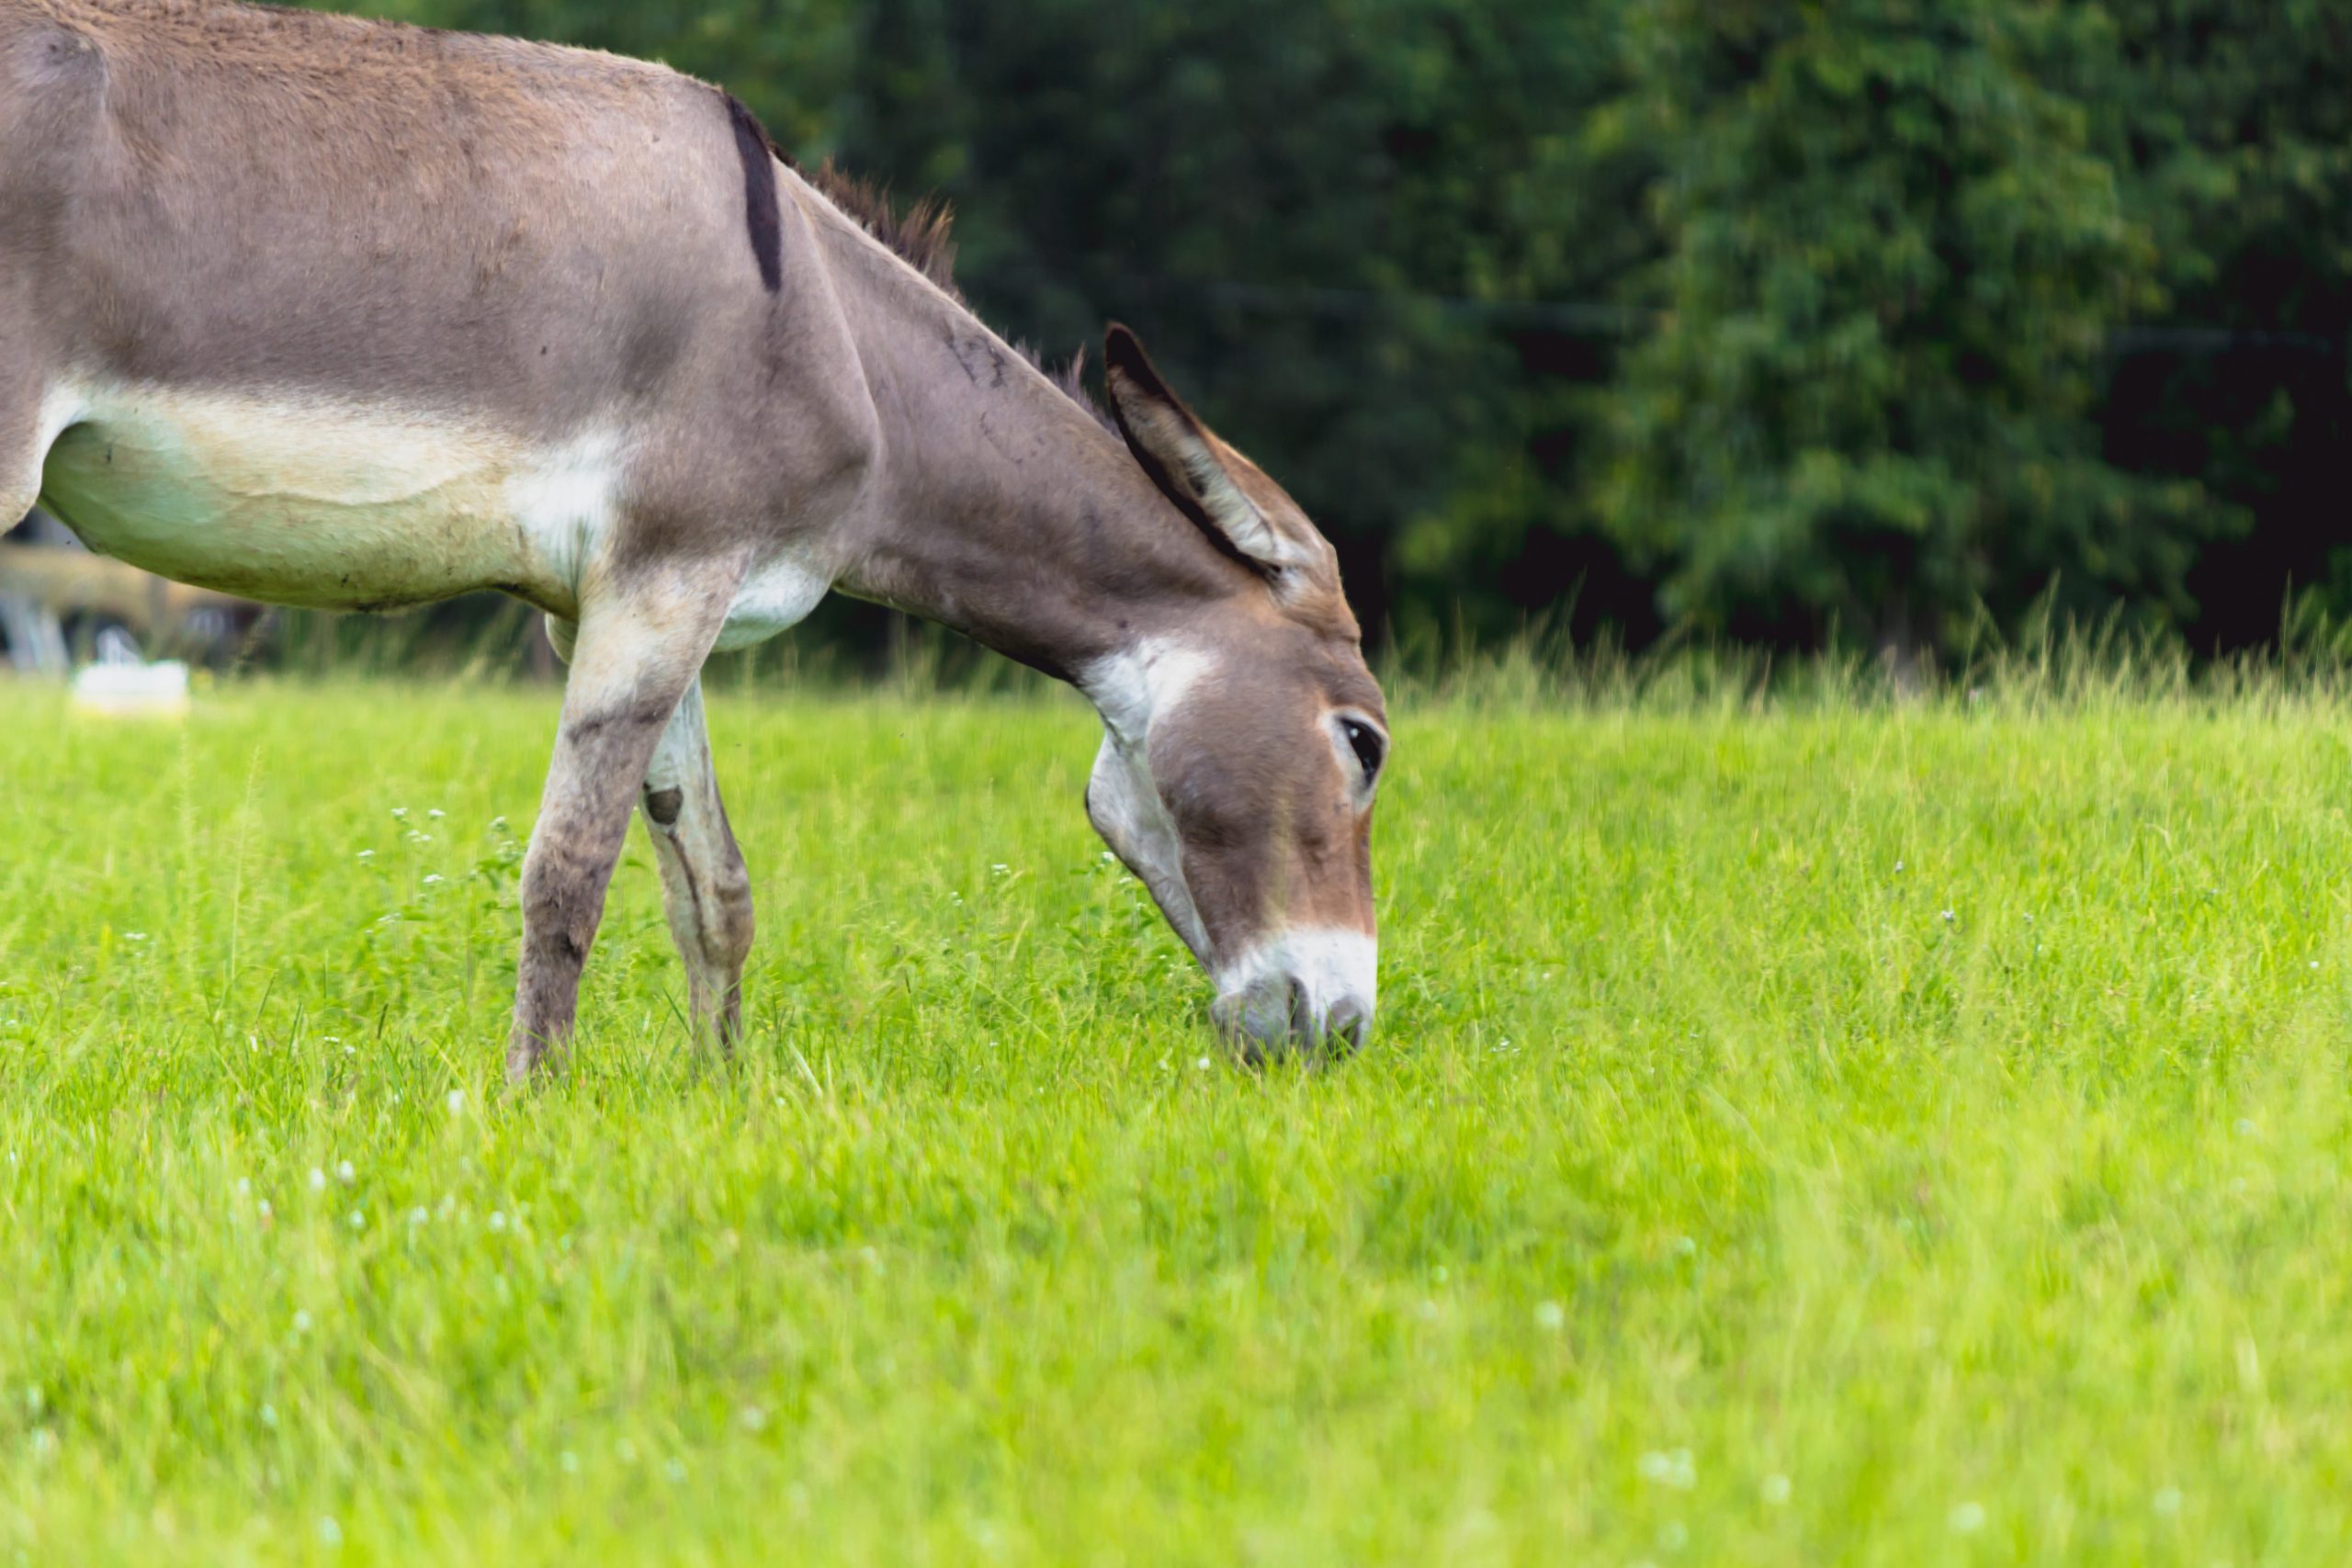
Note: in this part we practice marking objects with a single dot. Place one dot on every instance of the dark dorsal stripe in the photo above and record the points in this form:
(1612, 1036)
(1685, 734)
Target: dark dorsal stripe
(760, 208)
(921, 235)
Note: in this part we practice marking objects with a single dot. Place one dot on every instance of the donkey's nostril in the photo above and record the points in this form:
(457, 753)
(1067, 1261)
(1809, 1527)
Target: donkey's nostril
(1302, 1017)
(1347, 1022)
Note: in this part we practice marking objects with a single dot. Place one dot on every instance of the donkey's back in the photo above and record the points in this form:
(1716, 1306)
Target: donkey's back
(341, 312)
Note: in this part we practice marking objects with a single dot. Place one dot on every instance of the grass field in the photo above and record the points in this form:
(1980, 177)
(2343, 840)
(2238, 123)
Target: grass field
(1822, 1133)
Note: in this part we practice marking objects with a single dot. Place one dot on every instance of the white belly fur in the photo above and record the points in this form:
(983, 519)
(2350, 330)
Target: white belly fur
(315, 502)
(778, 594)
(349, 505)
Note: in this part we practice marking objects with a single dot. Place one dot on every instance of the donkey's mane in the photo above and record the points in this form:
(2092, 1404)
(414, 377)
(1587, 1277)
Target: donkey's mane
(921, 235)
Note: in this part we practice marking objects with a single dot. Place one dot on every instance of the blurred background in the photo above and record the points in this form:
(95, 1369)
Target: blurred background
(1855, 324)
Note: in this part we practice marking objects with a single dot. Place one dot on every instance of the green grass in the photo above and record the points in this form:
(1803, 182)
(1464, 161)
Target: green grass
(1809, 1133)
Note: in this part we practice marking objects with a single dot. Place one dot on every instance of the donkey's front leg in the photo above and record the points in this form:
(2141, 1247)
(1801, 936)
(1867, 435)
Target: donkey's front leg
(638, 648)
(705, 891)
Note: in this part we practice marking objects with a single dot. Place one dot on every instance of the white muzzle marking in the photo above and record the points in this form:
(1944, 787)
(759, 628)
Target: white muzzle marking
(1303, 985)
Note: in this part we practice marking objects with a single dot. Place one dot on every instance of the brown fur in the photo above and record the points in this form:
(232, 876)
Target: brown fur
(207, 199)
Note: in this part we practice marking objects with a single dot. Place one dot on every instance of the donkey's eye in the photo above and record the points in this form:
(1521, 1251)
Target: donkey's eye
(1370, 749)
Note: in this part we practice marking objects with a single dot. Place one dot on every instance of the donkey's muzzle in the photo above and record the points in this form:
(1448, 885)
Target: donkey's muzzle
(1277, 1014)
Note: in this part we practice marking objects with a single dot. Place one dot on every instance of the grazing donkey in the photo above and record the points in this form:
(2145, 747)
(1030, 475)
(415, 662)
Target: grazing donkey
(344, 313)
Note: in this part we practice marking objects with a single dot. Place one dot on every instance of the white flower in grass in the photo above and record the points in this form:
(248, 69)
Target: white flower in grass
(366, 854)
(417, 1216)
(330, 1533)
(358, 1220)
(301, 1323)
(1967, 1518)
(345, 1173)
(134, 936)
(1550, 1315)
(400, 813)
(264, 1210)
(269, 1416)
(498, 1219)
(1950, 917)
(754, 1420)
(436, 814)
(1775, 1490)
(1202, 1064)
(433, 879)
(318, 1179)
(244, 1186)
(457, 1102)
(1675, 1469)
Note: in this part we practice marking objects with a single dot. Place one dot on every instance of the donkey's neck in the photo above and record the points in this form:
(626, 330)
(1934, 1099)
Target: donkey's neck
(1002, 509)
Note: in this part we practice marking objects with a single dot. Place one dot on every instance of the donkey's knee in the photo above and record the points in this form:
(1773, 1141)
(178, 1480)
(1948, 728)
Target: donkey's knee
(563, 902)
(705, 879)
(731, 926)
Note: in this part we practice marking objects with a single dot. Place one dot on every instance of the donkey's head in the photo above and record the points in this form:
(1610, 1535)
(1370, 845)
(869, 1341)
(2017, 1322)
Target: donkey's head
(1243, 750)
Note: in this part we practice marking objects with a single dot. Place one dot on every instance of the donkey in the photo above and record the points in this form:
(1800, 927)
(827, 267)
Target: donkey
(357, 315)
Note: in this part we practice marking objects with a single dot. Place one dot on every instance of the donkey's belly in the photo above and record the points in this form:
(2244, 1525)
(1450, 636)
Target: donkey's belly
(299, 503)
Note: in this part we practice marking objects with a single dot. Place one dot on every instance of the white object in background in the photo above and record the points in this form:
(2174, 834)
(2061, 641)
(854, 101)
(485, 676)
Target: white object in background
(126, 689)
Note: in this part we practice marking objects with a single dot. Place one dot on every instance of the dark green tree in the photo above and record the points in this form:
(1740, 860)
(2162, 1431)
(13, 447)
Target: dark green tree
(2233, 130)
(1896, 263)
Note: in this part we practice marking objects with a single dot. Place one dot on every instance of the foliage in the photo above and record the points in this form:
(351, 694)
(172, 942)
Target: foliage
(1895, 264)
(2231, 129)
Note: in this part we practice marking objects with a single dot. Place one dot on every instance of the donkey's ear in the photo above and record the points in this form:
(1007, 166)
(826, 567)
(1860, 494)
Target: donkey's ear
(1184, 459)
